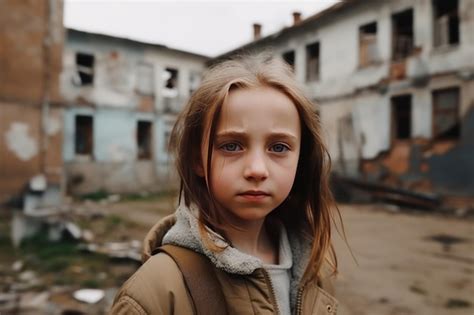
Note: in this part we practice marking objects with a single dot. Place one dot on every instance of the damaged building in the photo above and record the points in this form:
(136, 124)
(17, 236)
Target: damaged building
(83, 112)
(122, 99)
(394, 86)
(31, 126)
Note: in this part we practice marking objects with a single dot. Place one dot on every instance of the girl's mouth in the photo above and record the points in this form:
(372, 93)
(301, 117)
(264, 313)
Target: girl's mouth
(254, 195)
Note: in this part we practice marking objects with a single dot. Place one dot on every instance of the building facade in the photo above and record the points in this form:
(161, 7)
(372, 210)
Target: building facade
(122, 99)
(31, 44)
(394, 86)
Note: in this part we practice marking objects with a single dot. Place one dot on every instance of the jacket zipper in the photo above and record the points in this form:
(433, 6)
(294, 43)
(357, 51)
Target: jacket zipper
(272, 291)
(299, 300)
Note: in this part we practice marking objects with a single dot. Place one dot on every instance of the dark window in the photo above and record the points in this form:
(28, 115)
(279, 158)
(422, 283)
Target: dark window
(84, 134)
(144, 131)
(312, 62)
(289, 58)
(446, 22)
(402, 32)
(170, 90)
(85, 68)
(446, 122)
(367, 44)
(401, 117)
(172, 78)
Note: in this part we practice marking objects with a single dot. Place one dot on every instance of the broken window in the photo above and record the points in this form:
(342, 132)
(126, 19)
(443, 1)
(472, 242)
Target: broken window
(446, 22)
(84, 134)
(446, 122)
(402, 32)
(170, 78)
(401, 117)
(85, 69)
(368, 44)
(194, 80)
(289, 58)
(312, 62)
(144, 137)
(145, 80)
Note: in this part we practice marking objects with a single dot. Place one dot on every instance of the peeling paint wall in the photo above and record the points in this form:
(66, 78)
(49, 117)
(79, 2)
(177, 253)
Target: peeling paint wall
(20, 141)
(128, 86)
(31, 43)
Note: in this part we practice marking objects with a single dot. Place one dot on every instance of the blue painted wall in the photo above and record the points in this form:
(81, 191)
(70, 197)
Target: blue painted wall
(114, 134)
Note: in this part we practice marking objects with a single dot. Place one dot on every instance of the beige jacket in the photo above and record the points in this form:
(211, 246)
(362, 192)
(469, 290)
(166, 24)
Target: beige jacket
(158, 287)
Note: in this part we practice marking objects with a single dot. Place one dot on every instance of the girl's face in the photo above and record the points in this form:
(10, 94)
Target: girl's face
(255, 153)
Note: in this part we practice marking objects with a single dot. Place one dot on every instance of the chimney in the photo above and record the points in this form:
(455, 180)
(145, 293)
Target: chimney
(296, 18)
(257, 31)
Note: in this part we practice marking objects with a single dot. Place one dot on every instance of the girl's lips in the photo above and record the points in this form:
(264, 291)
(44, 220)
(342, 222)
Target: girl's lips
(254, 195)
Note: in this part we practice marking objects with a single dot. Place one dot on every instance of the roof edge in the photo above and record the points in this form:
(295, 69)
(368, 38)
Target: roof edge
(134, 41)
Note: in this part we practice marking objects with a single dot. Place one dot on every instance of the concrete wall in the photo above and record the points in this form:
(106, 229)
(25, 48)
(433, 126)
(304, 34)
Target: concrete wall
(31, 42)
(116, 106)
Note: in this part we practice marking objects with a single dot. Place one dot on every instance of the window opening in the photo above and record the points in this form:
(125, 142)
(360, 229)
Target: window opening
(367, 44)
(84, 134)
(170, 77)
(289, 58)
(446, 22)
(403, 40)
(85, 68)
(144, 130)
(446, 122)
(401, 117)
(312, 62)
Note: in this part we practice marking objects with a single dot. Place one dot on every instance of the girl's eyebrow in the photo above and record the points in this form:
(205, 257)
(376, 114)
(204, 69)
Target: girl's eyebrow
(283, 135)
(244, 135)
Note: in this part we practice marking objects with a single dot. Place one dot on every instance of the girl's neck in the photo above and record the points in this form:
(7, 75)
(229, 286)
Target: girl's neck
(254, 239)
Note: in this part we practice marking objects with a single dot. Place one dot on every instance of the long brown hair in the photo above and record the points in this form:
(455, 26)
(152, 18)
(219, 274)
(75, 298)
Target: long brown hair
(309, 206)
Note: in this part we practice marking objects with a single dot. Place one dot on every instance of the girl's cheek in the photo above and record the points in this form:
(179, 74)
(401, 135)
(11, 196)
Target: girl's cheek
(221, 164)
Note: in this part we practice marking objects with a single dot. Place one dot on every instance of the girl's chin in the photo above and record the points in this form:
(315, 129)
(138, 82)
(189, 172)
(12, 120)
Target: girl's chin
(250, 214)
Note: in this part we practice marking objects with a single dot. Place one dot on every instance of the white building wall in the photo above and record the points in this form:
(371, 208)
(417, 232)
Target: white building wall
(421, 114)
(374, 132)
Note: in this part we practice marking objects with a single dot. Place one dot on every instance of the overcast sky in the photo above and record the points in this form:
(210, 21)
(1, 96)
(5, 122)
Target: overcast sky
(204, 27)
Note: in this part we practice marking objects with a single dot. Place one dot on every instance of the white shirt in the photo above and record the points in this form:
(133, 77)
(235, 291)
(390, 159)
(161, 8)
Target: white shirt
(280, 274)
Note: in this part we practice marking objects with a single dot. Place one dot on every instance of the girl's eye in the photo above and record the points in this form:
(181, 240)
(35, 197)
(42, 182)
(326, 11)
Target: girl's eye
(279, 148)
(231, 147)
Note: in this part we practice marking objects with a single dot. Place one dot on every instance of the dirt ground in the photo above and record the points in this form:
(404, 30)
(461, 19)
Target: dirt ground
(406, 263)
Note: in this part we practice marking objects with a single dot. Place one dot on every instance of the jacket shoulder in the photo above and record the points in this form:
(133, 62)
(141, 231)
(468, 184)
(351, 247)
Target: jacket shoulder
(157, 287)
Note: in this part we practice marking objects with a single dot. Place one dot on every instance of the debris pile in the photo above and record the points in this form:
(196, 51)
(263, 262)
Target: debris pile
(26, 290)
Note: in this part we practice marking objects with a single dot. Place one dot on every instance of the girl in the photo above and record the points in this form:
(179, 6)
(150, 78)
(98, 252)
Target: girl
(254, 201)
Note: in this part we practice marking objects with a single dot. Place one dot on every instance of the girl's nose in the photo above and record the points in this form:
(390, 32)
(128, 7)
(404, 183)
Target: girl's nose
(256, 167)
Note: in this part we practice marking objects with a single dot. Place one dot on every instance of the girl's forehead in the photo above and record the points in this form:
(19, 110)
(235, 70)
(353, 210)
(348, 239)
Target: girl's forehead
(257, 109)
